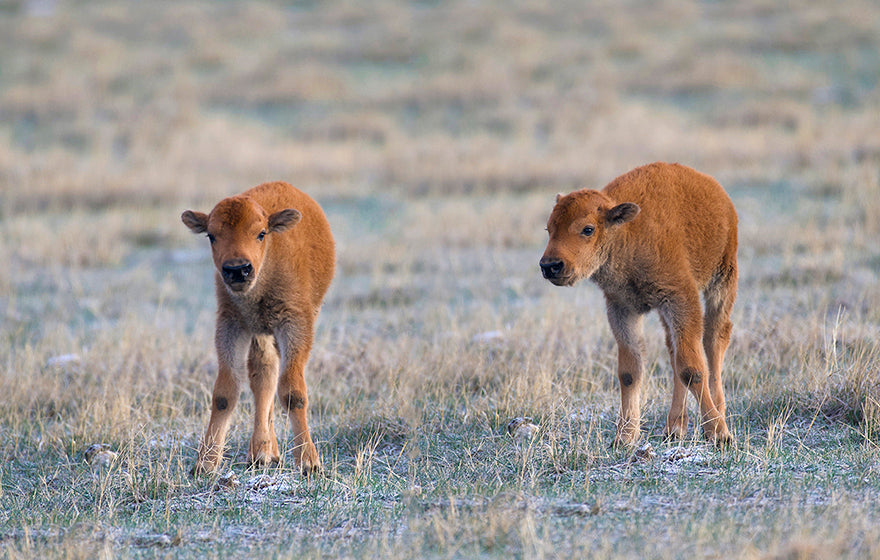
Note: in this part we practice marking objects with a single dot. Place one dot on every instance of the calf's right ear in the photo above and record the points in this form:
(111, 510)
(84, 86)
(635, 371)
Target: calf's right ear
(196, 221)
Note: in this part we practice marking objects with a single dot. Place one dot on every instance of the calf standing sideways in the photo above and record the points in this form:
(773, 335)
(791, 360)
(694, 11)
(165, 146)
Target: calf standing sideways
(275, 257)
(654, 238)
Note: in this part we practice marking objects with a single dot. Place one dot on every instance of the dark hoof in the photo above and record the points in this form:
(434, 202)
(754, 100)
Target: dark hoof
(722, 441)
(263, 463)
(313, 471)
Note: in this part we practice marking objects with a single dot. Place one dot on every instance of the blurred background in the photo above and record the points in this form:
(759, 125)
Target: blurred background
(113, 104)
(435, 134)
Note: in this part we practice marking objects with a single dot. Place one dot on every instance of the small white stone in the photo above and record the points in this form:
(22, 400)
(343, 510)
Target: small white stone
(99, 455)
(153, 540)
(228, 481)
(522, 428)
(260, 482)
(487, 336)
(644, 454)
(63, 360)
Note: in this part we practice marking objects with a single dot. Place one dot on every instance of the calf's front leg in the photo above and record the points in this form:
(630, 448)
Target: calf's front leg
(263, 375)
(232, 348)
(626, 326)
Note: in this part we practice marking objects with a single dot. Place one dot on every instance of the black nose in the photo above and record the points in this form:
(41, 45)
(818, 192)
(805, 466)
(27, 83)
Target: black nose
(237, 272)
(551, 269)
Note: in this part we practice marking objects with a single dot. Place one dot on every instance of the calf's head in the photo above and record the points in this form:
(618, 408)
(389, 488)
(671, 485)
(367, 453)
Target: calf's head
(580, 227)
(239, 230)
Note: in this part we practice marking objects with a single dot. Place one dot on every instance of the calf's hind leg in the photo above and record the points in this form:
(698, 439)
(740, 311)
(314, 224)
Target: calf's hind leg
(677, 420)
(719, 298)
(263, 374)
(295, 342)
(684, 317)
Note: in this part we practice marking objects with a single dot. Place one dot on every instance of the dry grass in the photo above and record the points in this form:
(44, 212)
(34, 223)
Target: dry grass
(435, 135)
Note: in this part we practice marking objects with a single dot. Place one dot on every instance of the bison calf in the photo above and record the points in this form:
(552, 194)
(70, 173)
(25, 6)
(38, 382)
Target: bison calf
(654, 238)
(275, 257)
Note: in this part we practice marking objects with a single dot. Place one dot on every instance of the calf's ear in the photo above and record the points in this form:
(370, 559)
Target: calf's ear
(196, 221)
(622, 213)
(284, 220)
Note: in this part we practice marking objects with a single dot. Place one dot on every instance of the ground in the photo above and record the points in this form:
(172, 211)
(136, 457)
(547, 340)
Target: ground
(436, 136)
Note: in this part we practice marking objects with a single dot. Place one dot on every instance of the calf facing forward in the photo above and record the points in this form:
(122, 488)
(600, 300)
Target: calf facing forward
(275, 257)
(654, 238)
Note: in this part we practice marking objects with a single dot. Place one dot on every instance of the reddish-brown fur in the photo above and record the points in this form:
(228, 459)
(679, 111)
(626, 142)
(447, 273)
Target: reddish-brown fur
(654, 238)
(275, 258)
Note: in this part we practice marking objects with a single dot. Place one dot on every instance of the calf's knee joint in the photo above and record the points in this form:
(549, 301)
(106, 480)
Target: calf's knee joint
(691, 376)
(293, 401)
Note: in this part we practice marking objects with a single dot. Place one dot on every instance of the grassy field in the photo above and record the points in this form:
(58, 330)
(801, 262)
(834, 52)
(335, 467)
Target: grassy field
(435, 135)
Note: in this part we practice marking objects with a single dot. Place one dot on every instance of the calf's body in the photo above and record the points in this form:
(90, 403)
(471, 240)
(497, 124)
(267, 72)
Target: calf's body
(274, 257)
(655, 238)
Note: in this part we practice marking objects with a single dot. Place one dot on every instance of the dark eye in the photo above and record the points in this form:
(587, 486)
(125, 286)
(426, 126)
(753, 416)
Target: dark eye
(211, 238)
(261, 236)
(588, 231)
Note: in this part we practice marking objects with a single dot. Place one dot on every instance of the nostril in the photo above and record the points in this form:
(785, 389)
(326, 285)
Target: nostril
(237, 272)
(552, 269)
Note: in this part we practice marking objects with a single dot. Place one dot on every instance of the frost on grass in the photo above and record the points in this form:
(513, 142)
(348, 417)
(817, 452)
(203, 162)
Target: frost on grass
(438, 315)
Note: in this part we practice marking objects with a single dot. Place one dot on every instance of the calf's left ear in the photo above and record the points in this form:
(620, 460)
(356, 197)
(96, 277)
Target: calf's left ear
(622, 213)
(284, 219)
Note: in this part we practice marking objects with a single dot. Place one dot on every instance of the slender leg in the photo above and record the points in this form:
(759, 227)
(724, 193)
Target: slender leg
(232, 345)
(677, 420)
(686, 324)
(263, 373)
(295, 342)
(719, 299)
(626, 325)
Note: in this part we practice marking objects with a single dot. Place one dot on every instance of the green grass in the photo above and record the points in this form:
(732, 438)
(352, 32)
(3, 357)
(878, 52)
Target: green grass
(463, 489)
(435, 135)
